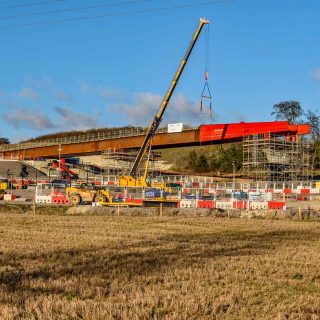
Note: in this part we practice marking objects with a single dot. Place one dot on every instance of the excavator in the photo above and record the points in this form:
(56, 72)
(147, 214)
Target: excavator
(132, 180)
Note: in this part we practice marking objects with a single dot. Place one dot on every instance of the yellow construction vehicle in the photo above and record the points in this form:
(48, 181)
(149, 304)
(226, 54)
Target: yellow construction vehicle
(80, 195)
(132, 180)
(4, 185)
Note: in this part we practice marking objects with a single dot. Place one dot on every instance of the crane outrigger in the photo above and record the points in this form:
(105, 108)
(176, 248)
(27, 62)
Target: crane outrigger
(132, 180)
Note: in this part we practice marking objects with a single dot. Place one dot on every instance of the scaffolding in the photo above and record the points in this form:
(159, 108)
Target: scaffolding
(274, 158)
(119, 162)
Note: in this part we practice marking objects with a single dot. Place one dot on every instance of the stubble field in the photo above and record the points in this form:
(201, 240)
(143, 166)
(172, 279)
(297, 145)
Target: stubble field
(102, 267)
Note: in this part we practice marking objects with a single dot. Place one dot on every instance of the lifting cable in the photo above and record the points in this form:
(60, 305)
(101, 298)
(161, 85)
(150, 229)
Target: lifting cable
(206, 93)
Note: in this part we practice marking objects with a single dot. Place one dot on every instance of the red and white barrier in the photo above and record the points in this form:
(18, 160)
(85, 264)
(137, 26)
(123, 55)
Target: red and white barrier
(9, 197)
(136, 201)
(43, 199)
(54, 199)
(258, 205)
(276, 205)
(59, 199)
(240, 204)
(187, 203)
(224, 204)
(304, 191)
(209, 204)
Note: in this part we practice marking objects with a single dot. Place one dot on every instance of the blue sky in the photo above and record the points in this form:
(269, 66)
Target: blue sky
(113, 71)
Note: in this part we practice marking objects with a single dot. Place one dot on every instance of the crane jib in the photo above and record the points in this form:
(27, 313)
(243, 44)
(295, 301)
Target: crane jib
(157, 120)
(142, 151)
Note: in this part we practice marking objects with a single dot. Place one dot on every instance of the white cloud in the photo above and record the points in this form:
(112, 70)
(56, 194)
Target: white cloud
(26, 118)
(39, 82)
(44, 85)
(141, 110)
(145, 105)
(71, 120)
(37, 120)
(316, 74)
(107, 93)
(102, 91)
(182, 109)
(29, 93)
(85, 88)
(62, 96)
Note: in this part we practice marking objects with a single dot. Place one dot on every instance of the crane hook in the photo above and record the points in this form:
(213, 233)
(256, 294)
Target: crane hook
(206, 96)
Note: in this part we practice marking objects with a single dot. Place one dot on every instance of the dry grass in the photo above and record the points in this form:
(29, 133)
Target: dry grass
(98, 267)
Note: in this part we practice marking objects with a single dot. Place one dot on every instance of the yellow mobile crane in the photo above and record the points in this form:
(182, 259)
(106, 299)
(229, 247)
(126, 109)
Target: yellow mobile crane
(132, 180)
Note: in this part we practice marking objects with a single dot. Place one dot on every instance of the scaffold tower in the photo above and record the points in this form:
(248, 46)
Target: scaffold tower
(119, 162)
(274, 158)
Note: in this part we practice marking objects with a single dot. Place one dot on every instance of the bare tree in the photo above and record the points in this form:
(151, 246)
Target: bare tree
(290, 111)
(314, 120)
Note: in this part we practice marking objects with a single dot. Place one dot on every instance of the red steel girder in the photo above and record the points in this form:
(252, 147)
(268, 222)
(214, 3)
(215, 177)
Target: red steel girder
(205, 134)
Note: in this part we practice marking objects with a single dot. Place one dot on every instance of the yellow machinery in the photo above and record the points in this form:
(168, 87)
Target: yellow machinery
(4, 185)
(102, 196)
(132, 180)
(78, 195)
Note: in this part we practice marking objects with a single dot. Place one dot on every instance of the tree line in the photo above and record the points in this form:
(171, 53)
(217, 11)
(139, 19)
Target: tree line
(217, 159)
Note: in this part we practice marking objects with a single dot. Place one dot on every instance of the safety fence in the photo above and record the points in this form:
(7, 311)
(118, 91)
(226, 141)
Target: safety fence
(204, 182)
(188, 197)
(51, 193)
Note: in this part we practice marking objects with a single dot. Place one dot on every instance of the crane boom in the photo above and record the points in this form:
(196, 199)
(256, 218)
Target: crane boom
(157, 119)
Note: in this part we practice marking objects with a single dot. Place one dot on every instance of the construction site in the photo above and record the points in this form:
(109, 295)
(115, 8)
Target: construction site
(158, 165)
(276, 166)
(123, 166)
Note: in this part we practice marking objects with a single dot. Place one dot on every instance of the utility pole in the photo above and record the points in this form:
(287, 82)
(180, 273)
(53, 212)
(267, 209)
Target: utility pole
(59, 150)
(234, 175)
(11, 178)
